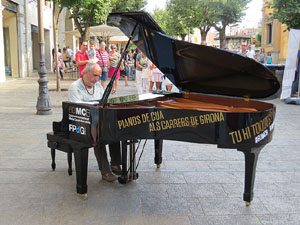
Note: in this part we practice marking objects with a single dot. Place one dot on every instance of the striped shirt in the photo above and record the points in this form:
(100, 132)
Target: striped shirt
(104, 55)
(113, 60)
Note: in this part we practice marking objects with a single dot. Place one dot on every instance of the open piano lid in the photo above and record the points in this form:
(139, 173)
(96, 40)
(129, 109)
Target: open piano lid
(197, 68)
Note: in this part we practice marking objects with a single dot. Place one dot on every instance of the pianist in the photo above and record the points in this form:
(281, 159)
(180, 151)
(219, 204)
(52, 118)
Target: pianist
(86, 89)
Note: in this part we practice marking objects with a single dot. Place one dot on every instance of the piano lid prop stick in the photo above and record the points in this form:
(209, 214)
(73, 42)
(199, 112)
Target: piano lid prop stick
(107, 91)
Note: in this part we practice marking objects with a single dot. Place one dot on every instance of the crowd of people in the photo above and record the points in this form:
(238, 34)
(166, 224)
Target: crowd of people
(135, 67)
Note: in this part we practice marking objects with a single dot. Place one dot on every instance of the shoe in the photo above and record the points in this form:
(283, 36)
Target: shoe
(126, 85)
(116, 170)
(109, 177)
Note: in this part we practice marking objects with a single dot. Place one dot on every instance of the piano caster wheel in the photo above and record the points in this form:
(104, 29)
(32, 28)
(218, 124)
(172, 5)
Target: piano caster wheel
(122, 180)
(248, 203)
(70, 172)
(157, 166)
(83, 196)
(53, 165)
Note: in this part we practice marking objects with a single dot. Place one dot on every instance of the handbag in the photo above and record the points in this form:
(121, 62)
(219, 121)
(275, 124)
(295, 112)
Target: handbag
(104, 67)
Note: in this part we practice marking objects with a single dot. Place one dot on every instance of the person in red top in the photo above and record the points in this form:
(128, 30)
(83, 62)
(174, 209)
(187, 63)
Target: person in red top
(81, 57)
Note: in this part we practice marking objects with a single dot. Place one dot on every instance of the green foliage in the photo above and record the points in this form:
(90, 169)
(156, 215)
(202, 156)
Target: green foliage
(229, 12)
(287, 12)
(179, 18)
(258, 38)
(161, 17)
(128, 5)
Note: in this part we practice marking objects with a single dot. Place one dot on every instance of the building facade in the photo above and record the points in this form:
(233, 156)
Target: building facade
(274, 36)
(19, 39)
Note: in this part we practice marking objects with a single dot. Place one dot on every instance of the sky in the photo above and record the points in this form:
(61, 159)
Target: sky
(252, 18)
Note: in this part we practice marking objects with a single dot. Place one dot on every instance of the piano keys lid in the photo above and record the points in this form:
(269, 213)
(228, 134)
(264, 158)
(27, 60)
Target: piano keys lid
(197, 68)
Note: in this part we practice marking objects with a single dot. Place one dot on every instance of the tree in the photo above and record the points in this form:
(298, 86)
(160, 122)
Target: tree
(128, 5)
(88, 13)
(202, 15)
(178, 19)
(56, 12)
(228, 12)
(161, 17)
(287, 12)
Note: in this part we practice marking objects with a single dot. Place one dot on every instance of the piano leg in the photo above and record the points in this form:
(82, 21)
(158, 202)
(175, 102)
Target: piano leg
(53, 165)
(123, 179)
(81, 164)
(251, 157)
(70, 162)
(158, 143)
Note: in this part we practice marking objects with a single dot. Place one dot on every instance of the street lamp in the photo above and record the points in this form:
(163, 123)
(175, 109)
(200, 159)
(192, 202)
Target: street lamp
(43, 105)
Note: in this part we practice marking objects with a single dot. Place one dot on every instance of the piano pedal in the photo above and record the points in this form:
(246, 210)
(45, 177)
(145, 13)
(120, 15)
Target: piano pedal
(83, 196)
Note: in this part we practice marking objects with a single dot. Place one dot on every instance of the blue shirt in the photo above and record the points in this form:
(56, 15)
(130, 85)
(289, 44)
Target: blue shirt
(70, 52)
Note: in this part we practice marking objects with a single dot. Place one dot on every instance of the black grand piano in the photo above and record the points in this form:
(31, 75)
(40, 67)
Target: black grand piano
(215, 105)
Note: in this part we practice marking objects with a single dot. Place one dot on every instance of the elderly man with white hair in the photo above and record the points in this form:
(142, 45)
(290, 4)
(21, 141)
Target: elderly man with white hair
(87, 89)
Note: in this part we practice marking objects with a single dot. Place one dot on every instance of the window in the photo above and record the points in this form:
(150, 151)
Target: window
(269, 33)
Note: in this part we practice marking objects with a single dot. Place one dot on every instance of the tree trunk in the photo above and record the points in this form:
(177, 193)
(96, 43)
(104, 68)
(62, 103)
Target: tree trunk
(182, 36)
(55, 37)
(203, 35)
(222, 37)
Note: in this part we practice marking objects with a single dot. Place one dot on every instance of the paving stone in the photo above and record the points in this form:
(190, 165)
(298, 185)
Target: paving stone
(195, 190)
(225, 220)
(161, 220)
(282, 204)
(280, 219)
(170, 206)
(231, 206)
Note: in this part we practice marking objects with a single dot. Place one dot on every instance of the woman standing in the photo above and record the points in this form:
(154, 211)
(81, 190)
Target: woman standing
(156, 78)
(262, 56)
(141, 64)
(114, 58)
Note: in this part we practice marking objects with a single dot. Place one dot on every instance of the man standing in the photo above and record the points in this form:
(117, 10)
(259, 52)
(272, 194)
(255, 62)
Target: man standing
(295, 83)
(102, 56)
(71, 53)
(86, 89)
(81, 57)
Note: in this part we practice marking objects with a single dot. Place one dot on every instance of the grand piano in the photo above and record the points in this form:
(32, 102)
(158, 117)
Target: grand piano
(215, 105)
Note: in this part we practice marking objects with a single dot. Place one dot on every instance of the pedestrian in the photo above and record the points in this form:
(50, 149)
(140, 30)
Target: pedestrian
(81, 57)
(269, 58)
(87, 88)
(103, 61)
(141, 63)
(60, 64)
(71, 53)
(155, 78)
(92, 53)
(295, 84)
(114, 58)
(262, 56)
(65, 57)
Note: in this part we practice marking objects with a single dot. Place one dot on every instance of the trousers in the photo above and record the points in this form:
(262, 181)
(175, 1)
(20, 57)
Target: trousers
(101, 156)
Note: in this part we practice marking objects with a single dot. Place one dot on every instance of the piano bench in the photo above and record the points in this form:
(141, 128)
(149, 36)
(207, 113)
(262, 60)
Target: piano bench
(59, 143)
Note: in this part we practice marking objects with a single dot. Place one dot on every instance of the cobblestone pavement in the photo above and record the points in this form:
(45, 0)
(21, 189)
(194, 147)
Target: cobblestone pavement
(197, 183)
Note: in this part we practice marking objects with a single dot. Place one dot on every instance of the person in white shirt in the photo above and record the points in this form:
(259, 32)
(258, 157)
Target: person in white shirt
(87, 89)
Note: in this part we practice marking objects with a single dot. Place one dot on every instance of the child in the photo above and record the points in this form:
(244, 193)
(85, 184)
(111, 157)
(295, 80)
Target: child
(92, 52)
(269, 58)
